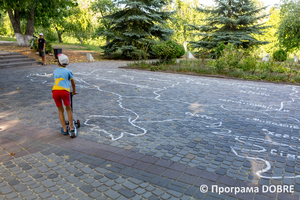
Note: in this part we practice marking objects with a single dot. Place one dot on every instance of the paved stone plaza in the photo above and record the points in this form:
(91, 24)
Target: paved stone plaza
(146, 135)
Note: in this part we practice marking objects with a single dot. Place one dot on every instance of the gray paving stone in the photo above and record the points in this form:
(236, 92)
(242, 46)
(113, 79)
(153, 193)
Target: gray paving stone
(95, 194)
(77, 195)
(86, 189)
(43, 169)
(127, 193)
(39, 190)
(47, 183)
(65, 186)
(166, 196)
(109, 183)
(11, 195)
(71, 190)
(45, 195)
(112, 194)
(87, 170)
(147, 195)
(26, 193)
(58, 192)
(64, 196)
(129, 185)
(6, 190)
(31, 197)
(53, 189)
(95, 184)
(140, 191)
(157, 192)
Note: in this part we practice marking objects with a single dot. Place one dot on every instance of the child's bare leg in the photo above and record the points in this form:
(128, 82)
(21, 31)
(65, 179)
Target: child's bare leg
(44, 59)
(70, 117)
(62, 118)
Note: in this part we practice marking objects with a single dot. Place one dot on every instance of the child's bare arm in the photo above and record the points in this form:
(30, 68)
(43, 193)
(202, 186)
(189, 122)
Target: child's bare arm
(73, 86)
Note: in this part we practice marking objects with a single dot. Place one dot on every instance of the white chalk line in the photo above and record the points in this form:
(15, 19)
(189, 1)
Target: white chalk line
(214, 125)
(262, 149)
(132, 122)
(39, 75)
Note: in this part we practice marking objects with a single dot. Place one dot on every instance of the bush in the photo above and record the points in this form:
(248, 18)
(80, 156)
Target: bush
(168, 50)
(249, 64)
(281, 68)
(266, 66)
(49, 48)
(231, 56)
(297, 79)
(280, 55)
(219, 49)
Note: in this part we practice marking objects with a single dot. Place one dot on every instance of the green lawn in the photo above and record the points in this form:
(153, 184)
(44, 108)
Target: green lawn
(6, 38)
(77, 46)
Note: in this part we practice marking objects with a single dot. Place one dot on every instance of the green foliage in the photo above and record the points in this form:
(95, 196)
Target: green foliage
(48, 48)
(136, 26)
(219, 49)
(270, 34)
(43, 10)
(233, 22)
(266, 66)
(249, 64)
(280, 55)
(288, 30)
(231, 56)
(168, 50)
(103, 8)
(297, 79)
(185, 13)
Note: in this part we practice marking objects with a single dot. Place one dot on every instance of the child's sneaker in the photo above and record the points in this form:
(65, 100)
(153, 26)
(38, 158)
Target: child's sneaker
(73, 132)
(62, 131)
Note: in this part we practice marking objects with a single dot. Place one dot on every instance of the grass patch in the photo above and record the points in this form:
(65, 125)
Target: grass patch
(6, 38)
(208, 68)
(85, 47)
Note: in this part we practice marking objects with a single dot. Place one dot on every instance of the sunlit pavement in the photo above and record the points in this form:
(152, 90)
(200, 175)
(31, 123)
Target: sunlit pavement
(148, 135)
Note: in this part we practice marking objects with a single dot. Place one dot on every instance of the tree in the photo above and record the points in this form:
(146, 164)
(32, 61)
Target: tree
(271, 32)
(136, 26)
(289, 26)
(31, 11)
(232, 21)
(59, 19)
(185, 13)
(103, 8)
(80, 24)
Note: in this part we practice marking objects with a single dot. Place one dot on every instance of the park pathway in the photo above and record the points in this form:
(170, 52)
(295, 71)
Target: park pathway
(147, 135)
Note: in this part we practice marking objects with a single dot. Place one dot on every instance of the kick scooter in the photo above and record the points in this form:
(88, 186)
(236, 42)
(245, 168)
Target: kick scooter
(75, 123)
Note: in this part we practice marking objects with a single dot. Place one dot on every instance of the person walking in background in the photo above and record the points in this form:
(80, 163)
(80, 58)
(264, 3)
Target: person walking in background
(42, 48)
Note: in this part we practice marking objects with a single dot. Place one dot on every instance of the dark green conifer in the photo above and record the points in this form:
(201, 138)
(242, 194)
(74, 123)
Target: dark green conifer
(135, 27)
(231, 21)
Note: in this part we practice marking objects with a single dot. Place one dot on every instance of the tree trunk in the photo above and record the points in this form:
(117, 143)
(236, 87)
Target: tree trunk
(23, 40)
(107, 40)
(59, 35)
(229, 12)
(15, 22)
(29, 27)
(185, 46)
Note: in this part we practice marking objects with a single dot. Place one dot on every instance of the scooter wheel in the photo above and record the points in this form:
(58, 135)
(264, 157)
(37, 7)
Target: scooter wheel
(78, 124)
(72, 135)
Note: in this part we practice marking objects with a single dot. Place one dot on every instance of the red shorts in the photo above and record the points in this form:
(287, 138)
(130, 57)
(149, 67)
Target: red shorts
(59, 95)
